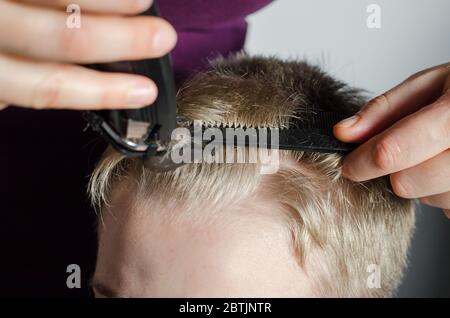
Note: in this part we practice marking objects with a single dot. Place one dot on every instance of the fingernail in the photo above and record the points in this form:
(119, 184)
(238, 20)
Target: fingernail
(141, 95)
(349, 122)
(348, 170)
(345, 171)
(144, 4)
(164, 39)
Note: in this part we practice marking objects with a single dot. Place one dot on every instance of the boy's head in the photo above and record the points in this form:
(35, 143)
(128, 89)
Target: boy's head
(226, 230)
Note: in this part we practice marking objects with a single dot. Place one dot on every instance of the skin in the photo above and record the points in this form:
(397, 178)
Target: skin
(243, 251)
(42, 53)
(405, 133)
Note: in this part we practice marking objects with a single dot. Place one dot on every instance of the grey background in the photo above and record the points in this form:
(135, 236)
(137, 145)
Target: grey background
(414, 35)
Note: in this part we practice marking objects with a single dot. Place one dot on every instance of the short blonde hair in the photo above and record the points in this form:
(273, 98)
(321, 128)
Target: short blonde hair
(348, 225)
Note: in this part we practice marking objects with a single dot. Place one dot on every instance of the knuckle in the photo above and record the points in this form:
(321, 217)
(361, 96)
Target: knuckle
(439, 201)
(145, 29)
(107, 98)
(423, 73)
(447, 213)
(446, 96)
(146, 37)
(442, 124)
(47, 92)
(426, 200)
(381, 101)
(74, 44)
(386, 153)
(417, 75)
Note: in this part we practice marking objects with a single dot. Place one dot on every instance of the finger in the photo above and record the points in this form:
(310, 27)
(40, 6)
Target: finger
(447, 213)
(103, 6)
(3, 105)
(380, 113)
(50, 85)
(439, 200)
(43, 34)
(428, 178)
(412, 140)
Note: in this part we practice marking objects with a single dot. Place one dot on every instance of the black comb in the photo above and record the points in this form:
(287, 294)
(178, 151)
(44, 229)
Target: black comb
(313, 132)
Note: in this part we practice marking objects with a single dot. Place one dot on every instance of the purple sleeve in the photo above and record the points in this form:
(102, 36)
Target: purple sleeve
(206, 29)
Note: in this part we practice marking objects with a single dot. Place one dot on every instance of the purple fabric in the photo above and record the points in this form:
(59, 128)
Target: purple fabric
(206, 29)
(203, 14)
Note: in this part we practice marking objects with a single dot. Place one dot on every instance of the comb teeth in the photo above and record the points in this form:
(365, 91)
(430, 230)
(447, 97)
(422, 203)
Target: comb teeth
(222, 125)
(312, 132)
(322, 120)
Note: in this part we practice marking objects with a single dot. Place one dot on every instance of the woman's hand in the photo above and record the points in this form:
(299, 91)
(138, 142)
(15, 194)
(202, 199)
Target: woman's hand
(39, 53)
(407, 135)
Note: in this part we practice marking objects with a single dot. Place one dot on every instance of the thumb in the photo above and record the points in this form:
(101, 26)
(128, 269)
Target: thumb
(383, 111)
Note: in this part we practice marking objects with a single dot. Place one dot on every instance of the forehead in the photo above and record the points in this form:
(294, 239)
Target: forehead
(142, 252)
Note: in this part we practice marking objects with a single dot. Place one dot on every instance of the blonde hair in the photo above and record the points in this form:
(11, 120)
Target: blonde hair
(338, 227)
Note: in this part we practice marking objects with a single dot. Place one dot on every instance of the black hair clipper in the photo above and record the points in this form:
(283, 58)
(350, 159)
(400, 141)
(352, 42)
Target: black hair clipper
(144, 132)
